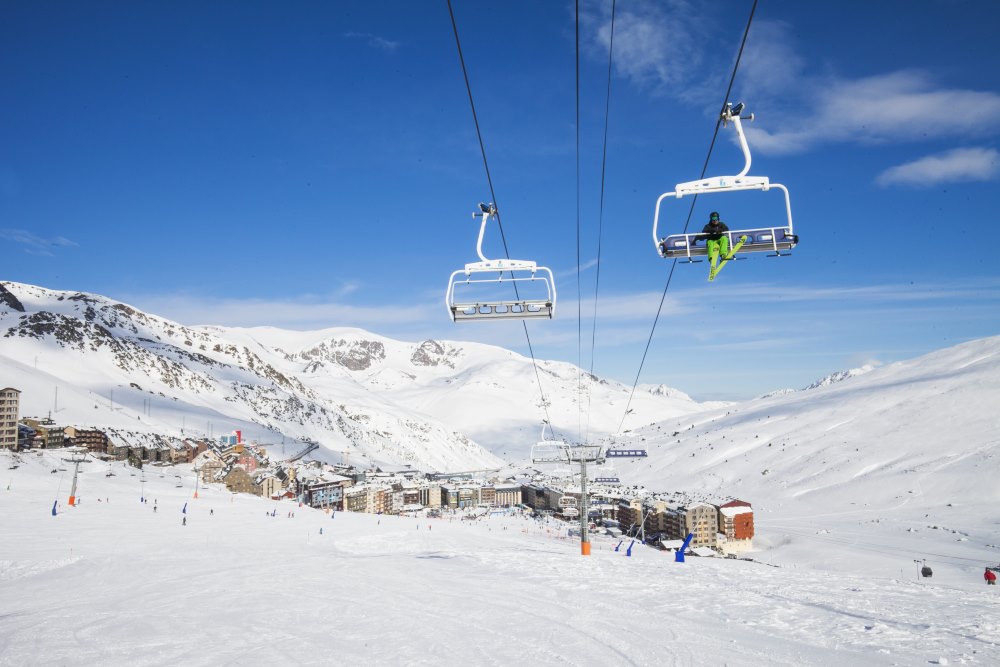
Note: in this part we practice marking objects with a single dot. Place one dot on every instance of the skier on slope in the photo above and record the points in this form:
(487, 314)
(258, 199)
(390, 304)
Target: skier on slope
(990, 577)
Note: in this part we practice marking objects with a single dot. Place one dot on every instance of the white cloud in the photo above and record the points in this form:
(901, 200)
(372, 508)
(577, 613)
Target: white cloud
(348, 287)
(960, 164)
(571, 273)
(894, 107)
(297, 313)
(770, 65)
(656, 43)
(374, 41)
(669, 48)
(34, 244)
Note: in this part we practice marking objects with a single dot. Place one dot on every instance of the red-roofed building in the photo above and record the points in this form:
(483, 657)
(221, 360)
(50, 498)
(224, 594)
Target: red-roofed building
(736, 523)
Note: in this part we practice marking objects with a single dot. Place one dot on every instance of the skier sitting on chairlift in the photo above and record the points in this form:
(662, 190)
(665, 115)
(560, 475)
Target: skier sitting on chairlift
(715, 237)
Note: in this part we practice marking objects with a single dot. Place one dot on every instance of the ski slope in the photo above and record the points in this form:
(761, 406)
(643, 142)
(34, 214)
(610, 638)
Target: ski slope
(112, 582)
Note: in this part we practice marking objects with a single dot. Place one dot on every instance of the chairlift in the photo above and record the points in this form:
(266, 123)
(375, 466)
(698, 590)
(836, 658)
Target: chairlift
(492, 272)
(625, 453)
(606, 474)
(567, 501)
(547, 451)
(777, 239)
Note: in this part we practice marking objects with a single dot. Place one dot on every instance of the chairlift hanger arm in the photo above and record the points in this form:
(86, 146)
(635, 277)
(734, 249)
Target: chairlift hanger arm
(768, 236)
(491, 271)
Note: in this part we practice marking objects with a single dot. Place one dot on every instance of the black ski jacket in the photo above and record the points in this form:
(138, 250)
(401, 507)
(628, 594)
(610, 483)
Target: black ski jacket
(712, 231)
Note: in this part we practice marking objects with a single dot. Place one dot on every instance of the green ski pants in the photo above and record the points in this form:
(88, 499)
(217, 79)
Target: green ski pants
(720, 247)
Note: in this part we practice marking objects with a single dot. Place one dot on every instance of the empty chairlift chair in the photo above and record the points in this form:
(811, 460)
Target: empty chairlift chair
(606, 474)
(537, 281)
(776, 239)
(625, 453)
(549, 452)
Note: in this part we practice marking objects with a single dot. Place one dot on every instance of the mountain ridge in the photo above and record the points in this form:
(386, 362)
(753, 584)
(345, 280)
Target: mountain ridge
(356, 392)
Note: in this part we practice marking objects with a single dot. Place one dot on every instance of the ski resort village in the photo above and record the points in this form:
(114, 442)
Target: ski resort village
(575, 332)
(659, 520)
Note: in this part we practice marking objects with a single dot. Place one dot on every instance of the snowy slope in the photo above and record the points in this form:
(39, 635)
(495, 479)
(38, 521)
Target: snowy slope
(111, 582)
(93, 361)
(489, 393)
(900, 453)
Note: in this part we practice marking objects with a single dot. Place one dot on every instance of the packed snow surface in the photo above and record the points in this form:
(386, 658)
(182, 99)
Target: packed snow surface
(242, 580)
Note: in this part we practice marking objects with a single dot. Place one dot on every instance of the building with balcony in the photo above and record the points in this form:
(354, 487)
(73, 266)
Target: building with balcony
(736, 523)
(94, 440)
(10, 410)
(47, 434)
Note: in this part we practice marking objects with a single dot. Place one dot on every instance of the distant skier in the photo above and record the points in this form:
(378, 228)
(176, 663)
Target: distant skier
(184, 521)
(990, 577)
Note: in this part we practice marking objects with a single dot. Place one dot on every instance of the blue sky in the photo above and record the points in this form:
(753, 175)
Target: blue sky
(312, 164)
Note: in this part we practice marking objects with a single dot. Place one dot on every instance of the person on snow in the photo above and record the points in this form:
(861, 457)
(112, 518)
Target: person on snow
(990, 577)
(716, 238)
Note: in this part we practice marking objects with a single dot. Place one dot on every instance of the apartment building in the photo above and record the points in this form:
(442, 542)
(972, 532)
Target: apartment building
(93, 439)
(10, 409)
(736, 523)
(47, 434)
(430, 495)
(507, 495)
(700, 519)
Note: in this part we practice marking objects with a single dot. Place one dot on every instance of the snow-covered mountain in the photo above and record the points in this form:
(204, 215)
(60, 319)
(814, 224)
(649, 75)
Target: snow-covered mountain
(906, 448)
(840, 376)
(441, 405)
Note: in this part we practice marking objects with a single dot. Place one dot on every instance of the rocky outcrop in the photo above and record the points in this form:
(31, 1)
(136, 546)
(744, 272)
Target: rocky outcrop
(433, 353)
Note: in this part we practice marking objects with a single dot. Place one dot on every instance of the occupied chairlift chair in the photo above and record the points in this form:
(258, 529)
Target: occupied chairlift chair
(521, 271)
(759, 239)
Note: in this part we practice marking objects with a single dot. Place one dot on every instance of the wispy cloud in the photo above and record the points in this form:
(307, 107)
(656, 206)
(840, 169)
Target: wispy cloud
(960, 164)
(374, 41)
(297, 313)
(34, 244)
(770, 65)
(656, 43)
(348, 287)
(667, 48)
(895, 107)
(569, 273)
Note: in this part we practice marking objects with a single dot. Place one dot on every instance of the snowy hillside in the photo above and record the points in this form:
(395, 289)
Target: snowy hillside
(901, 459)
(92, 361)
(115, 582)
